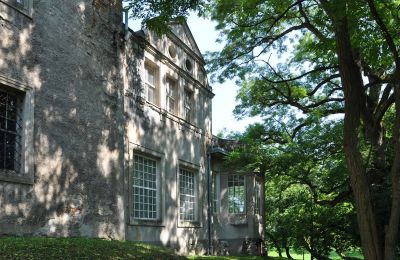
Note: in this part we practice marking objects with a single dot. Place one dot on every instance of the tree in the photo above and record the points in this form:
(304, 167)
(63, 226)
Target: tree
(342, 57)
(307, 194)
(156, 14)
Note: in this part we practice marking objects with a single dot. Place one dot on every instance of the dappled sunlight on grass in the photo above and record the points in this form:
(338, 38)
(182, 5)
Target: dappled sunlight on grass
(234, 258)
(356, 254)
(79, 248)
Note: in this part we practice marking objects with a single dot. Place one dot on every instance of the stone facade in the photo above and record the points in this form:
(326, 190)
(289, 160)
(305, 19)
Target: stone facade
(99, 115)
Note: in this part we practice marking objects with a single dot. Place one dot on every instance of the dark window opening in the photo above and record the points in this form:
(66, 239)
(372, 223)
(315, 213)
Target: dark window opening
(10, 131)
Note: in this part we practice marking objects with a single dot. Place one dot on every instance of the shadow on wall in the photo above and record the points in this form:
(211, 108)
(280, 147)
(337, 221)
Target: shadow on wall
(69, 54)
(159, 131)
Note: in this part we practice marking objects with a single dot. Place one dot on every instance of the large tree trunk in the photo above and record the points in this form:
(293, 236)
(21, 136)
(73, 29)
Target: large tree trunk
(275, 242)
(354, 102)
(287, 251)
(393, 227)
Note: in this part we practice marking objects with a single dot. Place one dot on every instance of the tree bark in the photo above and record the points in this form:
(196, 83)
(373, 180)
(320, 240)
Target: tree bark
(354, 103)
(275, 242)
(392, 230)
(287, 250)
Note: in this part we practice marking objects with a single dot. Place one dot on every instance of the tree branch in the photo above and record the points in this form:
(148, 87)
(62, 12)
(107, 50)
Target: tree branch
(386, 34)
(319, 85)
(309, 25)
(303, 75)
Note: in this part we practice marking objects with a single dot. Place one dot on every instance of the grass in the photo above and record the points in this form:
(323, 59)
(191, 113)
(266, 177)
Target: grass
(31, 248)
(79, 248)
(307, 256)
(234, 258)
(91, 248)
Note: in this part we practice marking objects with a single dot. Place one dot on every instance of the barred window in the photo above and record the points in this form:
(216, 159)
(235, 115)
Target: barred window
(187, 195)
(145, 190)
(236, 194)
(171, 90)
(151, 90)
(10, 131)
(187, 103)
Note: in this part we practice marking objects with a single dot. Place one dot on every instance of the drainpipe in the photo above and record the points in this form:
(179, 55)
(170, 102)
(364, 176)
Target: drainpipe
(126, 27)
(209, 208)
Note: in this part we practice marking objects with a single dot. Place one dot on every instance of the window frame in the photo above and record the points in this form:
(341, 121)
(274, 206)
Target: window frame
(24, 8)
(173, 96)
(188, 105)
(244, 194)
(25, 175)
(197, 218)
(215, 190)
(146, 153)
(148, 66)
(15, 132)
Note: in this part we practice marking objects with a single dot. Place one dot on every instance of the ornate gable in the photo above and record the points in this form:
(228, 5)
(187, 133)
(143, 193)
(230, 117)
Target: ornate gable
(182, 32)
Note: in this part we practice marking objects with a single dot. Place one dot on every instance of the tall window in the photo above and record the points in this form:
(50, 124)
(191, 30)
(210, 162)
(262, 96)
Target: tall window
(10, 131)
(145, 194)
(187, 104)
(151, 93)
(187, 195)
(257, 202)
(171, 90)
(236, 194)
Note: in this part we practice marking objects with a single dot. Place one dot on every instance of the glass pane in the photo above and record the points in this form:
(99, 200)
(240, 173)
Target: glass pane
(150, 94)
(144, 181)
(3, 123)
(187, 195)
(150, 76)
(3, 103)
(236, 194)
(11, 125)
(10, 151)
(171, 105)
(2, 150)
(12, 107)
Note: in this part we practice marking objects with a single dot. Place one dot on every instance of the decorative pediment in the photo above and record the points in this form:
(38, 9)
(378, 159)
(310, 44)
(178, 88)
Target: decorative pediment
(181, 31)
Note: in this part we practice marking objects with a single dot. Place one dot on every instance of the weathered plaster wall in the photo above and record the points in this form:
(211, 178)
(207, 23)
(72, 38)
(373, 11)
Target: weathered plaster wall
(68, 52)
(83, 83)
(152, 131)
(231, 232)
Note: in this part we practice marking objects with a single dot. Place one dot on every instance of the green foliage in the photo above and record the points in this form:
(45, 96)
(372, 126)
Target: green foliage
(79, 248)
(155, 15)
(307, 194)
(285, 58)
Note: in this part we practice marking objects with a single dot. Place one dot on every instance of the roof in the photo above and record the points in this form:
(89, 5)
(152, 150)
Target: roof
(224, 146)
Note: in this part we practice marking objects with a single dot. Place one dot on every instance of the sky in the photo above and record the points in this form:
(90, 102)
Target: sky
(224, 100)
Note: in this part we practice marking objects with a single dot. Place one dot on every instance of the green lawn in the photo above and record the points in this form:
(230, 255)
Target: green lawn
(307, 256)
(79, 248)
(90, 248)
(234, 258)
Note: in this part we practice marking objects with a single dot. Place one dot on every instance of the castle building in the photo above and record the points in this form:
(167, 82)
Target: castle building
(106, 132)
